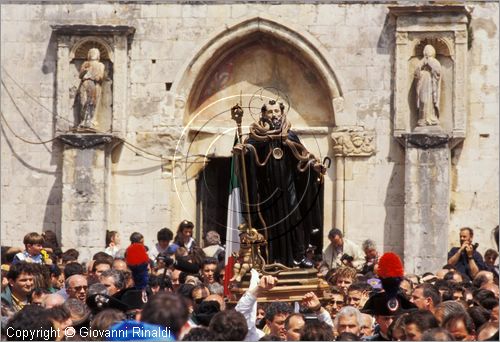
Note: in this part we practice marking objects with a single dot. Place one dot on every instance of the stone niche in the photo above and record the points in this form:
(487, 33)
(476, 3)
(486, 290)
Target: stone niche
(429, 120)
(445, 28)
(87, 149)
(73, 45)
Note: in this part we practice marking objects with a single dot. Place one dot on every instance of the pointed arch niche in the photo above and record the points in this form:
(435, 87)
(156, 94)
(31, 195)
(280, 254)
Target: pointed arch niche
(255, 53)
(260, 60)
(258, 53)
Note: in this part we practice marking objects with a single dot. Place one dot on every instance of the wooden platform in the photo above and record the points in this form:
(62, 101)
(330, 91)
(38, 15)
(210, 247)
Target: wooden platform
(292, 286)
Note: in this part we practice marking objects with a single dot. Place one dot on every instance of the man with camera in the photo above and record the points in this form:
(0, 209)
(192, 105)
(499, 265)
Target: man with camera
(342, 252)
(465, 258)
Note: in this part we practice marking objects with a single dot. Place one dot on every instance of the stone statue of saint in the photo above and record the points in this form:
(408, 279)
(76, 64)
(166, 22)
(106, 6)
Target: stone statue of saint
(91, 75)
(428, 77)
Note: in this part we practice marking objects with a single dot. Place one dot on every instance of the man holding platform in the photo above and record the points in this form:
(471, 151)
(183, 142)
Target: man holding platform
(284, 185)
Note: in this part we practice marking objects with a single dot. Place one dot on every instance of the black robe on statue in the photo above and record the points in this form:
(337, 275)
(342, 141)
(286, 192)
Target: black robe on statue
(289, 201)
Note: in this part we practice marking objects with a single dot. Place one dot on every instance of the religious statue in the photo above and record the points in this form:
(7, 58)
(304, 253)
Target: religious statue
(282, 182)
(89, 92)
(428, 78)
(249, 255)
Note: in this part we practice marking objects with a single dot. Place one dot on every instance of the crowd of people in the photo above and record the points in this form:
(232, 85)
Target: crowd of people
(175, 290)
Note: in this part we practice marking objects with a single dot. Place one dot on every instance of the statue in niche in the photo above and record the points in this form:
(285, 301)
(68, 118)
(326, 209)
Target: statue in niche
(89, 92)
(428, 78)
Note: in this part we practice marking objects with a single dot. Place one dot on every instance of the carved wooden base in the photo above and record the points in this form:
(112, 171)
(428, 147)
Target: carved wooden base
(292, 286)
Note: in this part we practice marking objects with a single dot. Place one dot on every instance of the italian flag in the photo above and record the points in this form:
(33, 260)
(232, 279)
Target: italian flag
(234, 218)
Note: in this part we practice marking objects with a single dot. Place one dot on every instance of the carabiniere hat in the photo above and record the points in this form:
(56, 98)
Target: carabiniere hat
(391, 302)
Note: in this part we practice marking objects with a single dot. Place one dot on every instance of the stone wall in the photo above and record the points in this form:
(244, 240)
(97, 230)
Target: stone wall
(359, 41)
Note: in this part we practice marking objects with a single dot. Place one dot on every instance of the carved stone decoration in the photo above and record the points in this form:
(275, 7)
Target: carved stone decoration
(352, 143)
(401, 37)
(428, 88)
(426, 141)
(84, 141)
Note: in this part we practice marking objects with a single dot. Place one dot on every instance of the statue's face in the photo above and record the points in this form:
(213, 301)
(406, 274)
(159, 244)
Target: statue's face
(429, 51)
(357, 141)
(274, 114)
(94, 54)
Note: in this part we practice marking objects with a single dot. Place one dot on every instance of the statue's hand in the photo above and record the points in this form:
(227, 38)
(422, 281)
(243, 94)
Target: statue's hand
(319, 168)
(238, 148)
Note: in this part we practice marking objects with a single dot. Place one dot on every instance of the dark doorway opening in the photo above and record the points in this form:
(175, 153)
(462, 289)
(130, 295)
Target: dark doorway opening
(212, 193)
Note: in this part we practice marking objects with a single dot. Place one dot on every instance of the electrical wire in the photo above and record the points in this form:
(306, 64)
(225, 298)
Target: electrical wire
(125, 142)
(31, 96)
(21, 138)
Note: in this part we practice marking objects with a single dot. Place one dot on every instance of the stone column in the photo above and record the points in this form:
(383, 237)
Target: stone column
(85, 190)
(339, 191)
(427, 201)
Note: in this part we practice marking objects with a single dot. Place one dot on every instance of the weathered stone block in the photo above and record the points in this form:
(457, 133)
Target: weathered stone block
(240, 10)
(149, 11)
(169, 10)
(221, 11)
(307, 14)
(14, 12)
(140, 71)
(328, 15)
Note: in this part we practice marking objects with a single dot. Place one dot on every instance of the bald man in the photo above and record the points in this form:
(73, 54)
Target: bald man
(52, 300)
(216, 298)
(119, 265)
(76, 287)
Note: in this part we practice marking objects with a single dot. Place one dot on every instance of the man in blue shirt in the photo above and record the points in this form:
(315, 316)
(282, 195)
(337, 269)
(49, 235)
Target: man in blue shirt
(465, 258)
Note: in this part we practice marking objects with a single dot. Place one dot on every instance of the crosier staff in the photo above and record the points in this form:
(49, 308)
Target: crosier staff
(237, 116)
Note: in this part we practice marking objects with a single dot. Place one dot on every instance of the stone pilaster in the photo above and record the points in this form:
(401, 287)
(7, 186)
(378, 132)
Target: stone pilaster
(428, 148)
(348, 142)
(427, 201)
(86, 160)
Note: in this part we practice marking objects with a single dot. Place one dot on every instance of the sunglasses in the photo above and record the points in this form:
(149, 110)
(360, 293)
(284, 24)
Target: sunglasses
(338, 302)
(79, 288)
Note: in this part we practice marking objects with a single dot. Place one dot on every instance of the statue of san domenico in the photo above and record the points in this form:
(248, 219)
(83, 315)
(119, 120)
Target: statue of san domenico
(284, 184)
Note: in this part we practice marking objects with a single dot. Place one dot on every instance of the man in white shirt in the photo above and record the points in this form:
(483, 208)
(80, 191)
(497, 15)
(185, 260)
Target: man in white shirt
(342, 252)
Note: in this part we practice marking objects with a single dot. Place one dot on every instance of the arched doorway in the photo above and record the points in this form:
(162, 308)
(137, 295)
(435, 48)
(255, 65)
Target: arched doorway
(231, 68)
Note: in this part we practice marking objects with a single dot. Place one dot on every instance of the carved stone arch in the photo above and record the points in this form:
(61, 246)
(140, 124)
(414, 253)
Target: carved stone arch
(213, 135)
(80, 48)
(442, 46)
(185, 86)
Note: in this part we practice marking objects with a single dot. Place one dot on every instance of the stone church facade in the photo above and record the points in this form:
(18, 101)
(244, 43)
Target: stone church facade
(160, 144)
